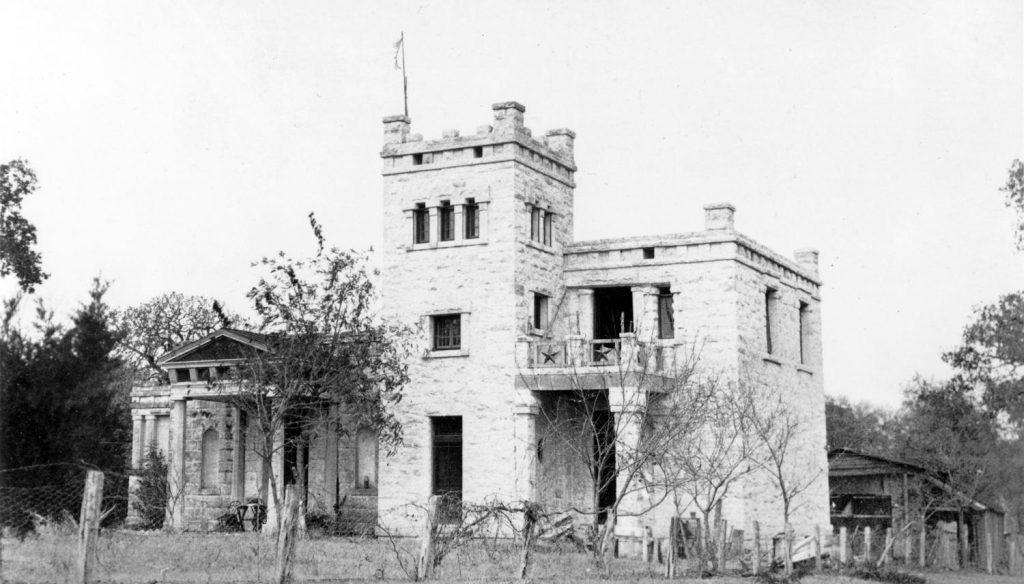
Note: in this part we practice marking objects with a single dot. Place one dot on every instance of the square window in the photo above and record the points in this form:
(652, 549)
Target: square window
(478, 152)
(446, 216)
(417, 159)
(540, 311)
(471, 216)
(182, 375)
(420, 224)
(648, 253)
(447, 332)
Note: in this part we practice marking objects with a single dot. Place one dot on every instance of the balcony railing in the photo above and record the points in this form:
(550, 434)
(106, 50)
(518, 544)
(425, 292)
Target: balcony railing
(579, 352)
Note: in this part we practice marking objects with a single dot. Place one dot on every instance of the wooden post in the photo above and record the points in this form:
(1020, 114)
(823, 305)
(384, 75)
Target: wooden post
(922, 557)
(961, 534)
(788, 549)
(426, 563)
(645, 541)
(887, 555)
(757, 548)
(723, 540)
(867, 544)
(1012, 550)
(670, 562)
(89, 526)
(844, 546)
(529, 519)
(990, 566)
(286, 536)
(817, 548)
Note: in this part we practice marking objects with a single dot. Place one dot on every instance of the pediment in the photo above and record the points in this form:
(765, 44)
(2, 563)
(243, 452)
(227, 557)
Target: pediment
(222, 345)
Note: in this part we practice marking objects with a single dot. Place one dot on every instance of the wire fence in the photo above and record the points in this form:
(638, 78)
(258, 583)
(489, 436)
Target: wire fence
(36, 495)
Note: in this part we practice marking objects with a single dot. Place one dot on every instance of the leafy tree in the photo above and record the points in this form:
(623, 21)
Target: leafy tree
(63, 393)
(1014, 189)
(861, 426)
(162, 323)
(17, 235)
(331, 363)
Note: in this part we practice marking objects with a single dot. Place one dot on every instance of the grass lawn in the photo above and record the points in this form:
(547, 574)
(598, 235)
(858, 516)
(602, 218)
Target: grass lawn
(156, 557)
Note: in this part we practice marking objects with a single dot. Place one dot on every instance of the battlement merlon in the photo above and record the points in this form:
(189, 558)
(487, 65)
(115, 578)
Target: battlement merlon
(554, 150)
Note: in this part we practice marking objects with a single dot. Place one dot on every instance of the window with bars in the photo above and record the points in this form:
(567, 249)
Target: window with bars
(446, 218)
(420, 224)
(447, 332)
(471, 217)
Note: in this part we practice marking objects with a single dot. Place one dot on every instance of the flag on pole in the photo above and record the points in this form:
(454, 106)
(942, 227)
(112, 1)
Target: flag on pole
(398, 49)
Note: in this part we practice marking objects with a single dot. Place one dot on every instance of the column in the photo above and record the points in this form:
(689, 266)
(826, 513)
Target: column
(277, 469)
(138, 439)
(629, 405)
(645, 312)
(149, 434)
(237, 457)
(525, 444)
(585, 304)
(331, 460)
(176, 478)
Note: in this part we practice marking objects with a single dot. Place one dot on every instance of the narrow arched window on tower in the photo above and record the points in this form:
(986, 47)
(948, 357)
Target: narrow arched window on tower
(210, 463)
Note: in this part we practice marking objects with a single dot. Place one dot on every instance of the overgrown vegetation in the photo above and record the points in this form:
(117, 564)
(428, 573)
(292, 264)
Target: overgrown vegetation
(151, 494)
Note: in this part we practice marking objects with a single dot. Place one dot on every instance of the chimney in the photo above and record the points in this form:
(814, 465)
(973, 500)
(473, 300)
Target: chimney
(808, 260)
(508, 117)
(396, 129)
(562, 141)
(719, 216)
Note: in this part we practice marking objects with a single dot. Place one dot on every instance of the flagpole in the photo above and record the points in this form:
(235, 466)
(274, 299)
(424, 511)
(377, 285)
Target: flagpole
(405, 79)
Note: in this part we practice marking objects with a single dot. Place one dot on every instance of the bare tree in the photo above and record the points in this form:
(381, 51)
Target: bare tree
(328, 363)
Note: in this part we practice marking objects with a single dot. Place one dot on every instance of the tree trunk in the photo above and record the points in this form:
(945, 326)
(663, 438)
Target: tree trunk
(529, 519)
(300, 481)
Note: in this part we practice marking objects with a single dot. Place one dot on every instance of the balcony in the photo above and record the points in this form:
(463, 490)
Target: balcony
(592, 363)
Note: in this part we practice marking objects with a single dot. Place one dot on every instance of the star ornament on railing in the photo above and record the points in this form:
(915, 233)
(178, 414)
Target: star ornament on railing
(549, 357)
(603, 354)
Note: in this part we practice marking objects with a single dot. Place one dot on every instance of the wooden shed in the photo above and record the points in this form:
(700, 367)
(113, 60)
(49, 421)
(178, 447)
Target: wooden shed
(931, 522)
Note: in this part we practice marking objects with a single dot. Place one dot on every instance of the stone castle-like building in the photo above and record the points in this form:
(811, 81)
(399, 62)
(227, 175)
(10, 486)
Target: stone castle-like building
(479, 250)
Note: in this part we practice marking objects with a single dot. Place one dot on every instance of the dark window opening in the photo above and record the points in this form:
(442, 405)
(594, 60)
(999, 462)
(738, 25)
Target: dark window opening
(604, 462)
(223, 372)
(183, 375)
(613, 315)
(535, 224)
(648, 253)
(421, 224)
(803, 331)
(548, 217)
(204, 374)
(478, 152)
(666, 316)
(447, 467)
(471, 216)
(540, 311)
(447, 332)
(769, 317)
(417, 159)
(446, 217)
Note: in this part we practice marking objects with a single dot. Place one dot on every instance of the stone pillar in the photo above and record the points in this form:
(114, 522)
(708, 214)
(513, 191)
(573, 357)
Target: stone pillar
(176, 479)
(645, 312)
(525, 429)
(149, 433)
(585, 304)
(331, 461)
(237, 457)
(138, 440)
(628, 404)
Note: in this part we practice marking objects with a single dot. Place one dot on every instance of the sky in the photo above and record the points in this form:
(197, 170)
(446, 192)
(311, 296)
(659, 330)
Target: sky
(177, 142)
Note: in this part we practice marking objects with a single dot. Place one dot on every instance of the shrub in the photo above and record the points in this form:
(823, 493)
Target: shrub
(151, 494)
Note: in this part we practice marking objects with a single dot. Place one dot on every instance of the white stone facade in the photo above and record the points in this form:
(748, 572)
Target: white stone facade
(717, 278)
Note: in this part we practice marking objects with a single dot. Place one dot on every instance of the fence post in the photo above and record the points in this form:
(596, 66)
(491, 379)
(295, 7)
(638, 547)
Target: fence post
(844, 546)
(867, 544)
(817, 548)
(645, 541)
(670, 562)
(922, 557)
(426, 563)
(757, 548)
(89, 526)
(788, 547)
(887, 555)
(286, 536)
(989, 559)
(723, 539)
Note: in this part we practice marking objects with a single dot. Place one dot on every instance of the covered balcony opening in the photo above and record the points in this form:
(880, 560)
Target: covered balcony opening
(613, 315)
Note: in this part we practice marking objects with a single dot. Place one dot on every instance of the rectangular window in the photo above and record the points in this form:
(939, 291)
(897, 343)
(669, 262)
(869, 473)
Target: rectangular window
(547, 228)
(446, 216)
(666, 317)
(421, 224)
(417, 159)
(471, 215)
(540, 311)
(204, 374)
(803, 331)
(182, 375)
(648, 253)
(447, 332)
(535, 225)
(769, 320)
(478, 152)
(446, 475)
